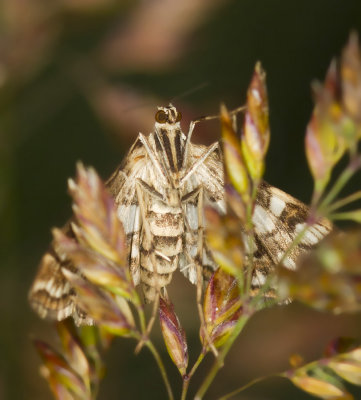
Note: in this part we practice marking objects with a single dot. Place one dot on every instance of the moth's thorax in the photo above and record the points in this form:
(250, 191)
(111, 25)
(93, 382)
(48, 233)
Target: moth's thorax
(175, 126)
(170, 144)
(171, 197)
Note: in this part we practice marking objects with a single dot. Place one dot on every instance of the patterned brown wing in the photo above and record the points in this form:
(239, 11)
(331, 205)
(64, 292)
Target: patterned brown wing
(51, 295)
(122, 186)
(278, 218)
(209, 176)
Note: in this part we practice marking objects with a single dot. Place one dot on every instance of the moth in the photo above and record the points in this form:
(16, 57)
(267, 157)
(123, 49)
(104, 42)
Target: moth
(160, 191)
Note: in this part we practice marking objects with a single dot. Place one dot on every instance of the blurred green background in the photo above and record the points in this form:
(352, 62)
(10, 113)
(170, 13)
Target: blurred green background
(79, 79)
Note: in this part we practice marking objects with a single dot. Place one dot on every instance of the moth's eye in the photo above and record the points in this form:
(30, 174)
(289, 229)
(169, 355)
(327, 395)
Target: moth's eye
(161, 117)
(179, 116)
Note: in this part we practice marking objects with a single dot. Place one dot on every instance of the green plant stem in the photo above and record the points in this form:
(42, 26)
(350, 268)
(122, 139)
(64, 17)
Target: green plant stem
(343, 202)
(267, 301)
(218, 362)
(297, 240)
(149, 344)
(354, 215)
(341, 181)
(244, 387)
(250, 238)
(250, 265)
(186, 380)
(237, 110)
(144, 327)
(141, 317)
(161, 367)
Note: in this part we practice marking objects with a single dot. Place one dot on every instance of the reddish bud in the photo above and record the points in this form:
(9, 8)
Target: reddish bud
(221, 307)
(234, 163)
(95, 267)
(320, 388)
(100, 227)
(73, 351)
(225, 239)
(99, 305)
(256, 133)
(351, 78)
(63, 381)
(174, 335)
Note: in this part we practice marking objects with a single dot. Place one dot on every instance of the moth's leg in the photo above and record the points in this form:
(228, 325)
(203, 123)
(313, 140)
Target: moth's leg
(149, 238)
(153, 158)
(184, 200)
(206, 118)
(149, 189)
(199, 193)
(200, 161)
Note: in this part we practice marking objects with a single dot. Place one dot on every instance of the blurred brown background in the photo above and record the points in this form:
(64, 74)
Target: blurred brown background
(79, 79)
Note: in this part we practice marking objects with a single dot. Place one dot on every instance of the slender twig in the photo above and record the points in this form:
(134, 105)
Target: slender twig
(347, 215)
(218, 362)
(250, 238)
(246, 386)
(141, 316)
(187, 378)
(161, 367)
(154, 312)
(268, 301)
(296, 241)
(143, 339)
(341, 181)
(343, 202)
(238, 110)
(146, 331)
(262, 290)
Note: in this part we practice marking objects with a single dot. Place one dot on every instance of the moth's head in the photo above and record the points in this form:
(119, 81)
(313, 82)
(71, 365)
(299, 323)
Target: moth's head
(168, 115)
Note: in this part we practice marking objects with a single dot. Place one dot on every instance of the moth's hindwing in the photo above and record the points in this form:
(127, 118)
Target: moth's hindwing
(51, 295)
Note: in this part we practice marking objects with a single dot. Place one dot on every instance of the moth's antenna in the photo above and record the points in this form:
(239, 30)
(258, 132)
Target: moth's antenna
(176, 98)
(136, 106)
(189, 92)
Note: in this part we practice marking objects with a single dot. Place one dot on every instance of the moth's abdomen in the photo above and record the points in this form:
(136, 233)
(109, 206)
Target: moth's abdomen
(160, 247)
